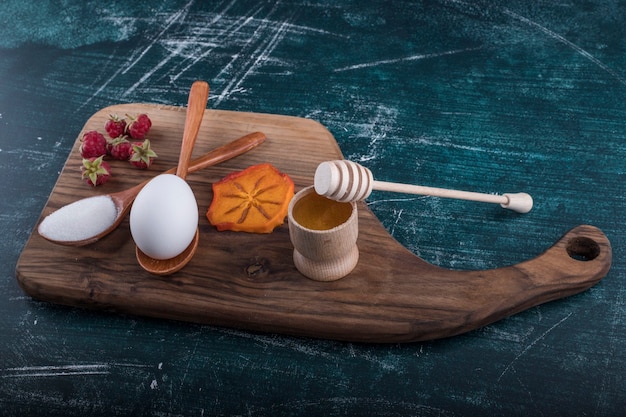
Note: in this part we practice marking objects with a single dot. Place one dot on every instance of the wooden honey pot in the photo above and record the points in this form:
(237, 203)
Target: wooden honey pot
(324, 234)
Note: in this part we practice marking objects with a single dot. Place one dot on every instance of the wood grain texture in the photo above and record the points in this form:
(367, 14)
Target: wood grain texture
(249, 281)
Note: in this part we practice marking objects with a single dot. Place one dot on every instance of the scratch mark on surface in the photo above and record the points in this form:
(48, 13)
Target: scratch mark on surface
(260, 35)
(614, 341)
(275, 341)
(235, 57)
(64, 370)
(452, 143)
(408, 58)
(342, 405)
(136, 57)
(398, 216)
(265, 51)
(176, 17)
(572, 45)
(200, 47)
(376, 129)
(393, 200)
(533, 343)
(224, 34)
(193, 353)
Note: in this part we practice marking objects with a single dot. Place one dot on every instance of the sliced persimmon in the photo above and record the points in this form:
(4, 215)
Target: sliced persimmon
(254, 200)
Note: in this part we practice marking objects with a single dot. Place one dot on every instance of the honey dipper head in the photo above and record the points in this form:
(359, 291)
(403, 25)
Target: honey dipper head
(343, 181)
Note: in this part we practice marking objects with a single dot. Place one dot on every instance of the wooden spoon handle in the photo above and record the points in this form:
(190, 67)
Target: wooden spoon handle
(228, 151)
(198, 97)
(214, 157)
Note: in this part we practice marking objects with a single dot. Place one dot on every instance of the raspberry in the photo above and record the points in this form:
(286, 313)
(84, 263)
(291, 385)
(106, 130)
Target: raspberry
(95, 171)
(139, 126)
(120, 148)
(142, 156)
(115, 126)
(93, 145)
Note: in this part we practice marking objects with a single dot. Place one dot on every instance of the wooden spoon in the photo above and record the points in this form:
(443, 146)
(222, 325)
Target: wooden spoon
(123, 200)
(168, 266)
(198, 97)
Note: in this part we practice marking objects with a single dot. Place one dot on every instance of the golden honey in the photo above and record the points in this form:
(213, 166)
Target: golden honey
(316, 212)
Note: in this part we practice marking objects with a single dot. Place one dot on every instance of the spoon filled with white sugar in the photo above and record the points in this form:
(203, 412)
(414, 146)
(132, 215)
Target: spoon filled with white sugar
(88, 220)
(62, 225)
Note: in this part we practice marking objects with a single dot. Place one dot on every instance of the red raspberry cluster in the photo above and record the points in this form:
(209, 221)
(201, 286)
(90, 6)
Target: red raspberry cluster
(126, 142)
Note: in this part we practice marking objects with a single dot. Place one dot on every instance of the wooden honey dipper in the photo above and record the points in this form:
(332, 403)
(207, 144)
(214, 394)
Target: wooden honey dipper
(347, 181)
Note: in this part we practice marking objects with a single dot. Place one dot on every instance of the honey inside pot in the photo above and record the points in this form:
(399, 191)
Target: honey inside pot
(317, 212)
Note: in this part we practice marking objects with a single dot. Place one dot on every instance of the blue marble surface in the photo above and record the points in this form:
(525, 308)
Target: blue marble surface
(483, 96)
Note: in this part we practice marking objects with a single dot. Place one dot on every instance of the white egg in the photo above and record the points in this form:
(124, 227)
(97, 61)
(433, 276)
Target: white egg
(164, 217)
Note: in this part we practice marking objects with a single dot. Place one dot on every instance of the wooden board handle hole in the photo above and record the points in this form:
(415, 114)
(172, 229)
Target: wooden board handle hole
(583, 249)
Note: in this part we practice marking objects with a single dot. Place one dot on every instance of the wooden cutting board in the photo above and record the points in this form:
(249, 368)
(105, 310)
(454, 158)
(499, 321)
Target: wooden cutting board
(248, 281)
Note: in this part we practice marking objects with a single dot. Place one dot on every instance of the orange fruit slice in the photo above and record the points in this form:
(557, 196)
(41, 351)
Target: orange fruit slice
(254, 200)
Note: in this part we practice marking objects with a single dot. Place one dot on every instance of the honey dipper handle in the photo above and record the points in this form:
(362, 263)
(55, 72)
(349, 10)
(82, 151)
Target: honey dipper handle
(438, 192)
(519, 202)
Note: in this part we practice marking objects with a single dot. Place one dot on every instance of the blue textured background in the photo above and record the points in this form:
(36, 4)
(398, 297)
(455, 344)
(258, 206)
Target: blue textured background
(483, 96)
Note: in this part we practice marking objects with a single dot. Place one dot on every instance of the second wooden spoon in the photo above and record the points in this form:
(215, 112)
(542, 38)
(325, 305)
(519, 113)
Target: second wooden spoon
(196, 105)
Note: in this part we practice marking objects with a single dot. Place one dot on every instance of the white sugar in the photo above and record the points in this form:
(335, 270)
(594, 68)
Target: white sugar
(80, 220)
